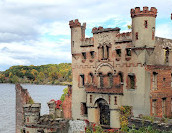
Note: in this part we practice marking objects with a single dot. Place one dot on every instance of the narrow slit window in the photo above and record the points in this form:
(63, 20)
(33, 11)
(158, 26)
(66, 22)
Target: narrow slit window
(154, 106)
(137, 36)
(84, 55)
(91, 98)
(91, 77)
(73, 43)
(110, 79)
(82, 80)
(101, 80)
(146, 24)
(115, 100)
(121, 77)
(164, 106)
(155, 80)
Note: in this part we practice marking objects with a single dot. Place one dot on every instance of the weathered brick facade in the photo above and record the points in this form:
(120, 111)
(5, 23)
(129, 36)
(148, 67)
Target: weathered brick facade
(22, 98)
(113, 69)
(67, 104)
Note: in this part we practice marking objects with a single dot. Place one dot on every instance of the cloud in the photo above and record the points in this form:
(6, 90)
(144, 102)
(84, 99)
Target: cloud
(37, 31)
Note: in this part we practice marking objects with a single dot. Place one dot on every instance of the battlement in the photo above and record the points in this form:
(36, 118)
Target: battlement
(74, 23)
(100, 29)
(145, 12)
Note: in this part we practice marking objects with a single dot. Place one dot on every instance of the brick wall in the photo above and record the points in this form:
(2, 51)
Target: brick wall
(22, 97)
(163, 91)
(67, 104)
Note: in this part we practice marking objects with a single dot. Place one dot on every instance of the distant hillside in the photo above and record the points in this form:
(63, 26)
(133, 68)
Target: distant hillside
(44, 74)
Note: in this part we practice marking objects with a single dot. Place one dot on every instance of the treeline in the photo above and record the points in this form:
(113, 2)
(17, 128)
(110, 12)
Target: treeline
(44, 74)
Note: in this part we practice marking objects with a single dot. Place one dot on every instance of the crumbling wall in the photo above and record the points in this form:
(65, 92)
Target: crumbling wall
(67, 104)
(22, 97)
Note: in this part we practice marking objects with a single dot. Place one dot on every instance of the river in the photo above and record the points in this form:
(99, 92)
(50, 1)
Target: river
(39, 93)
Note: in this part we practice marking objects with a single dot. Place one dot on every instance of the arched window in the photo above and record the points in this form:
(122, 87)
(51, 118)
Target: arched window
(82, 80)
(121, 77)
(110, 79)
(101, 80)
(91, 78)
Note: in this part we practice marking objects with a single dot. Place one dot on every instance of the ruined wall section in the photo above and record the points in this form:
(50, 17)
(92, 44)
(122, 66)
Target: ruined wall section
(67, 104)
(159, 55)
(22, 97)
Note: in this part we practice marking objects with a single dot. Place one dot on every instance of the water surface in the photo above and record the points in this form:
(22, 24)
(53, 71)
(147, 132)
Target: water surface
(39, 93)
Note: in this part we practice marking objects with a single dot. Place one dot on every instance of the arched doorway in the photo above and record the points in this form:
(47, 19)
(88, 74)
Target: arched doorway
(104, 112)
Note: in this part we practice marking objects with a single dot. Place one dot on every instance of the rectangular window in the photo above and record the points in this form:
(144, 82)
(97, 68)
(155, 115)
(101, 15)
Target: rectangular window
(128, 51)
(92, 54)
(131, 81)
(118, 52)
(84, 110)
(82, 80)
(154, 107)
(91, 98)
(115, 100)
(83, 55)
(146, 24)
(155, 80)
(164, 106)
(137, 36)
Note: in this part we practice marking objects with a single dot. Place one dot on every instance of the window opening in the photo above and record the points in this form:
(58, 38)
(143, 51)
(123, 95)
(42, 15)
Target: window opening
(137, 36)
(131, 81)
(128, 51)
(92, 54)
(146, 24)
(118, 52)
(84, 55)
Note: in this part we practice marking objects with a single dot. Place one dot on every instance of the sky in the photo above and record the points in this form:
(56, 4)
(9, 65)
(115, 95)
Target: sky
(36, 32)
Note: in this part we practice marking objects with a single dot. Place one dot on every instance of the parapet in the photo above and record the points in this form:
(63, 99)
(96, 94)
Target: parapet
(100, 29)
(145, 12)
(76, 23)
(124, 37)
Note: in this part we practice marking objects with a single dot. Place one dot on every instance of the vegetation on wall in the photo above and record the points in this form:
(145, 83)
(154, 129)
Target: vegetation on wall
(65, 91)
(44, 74)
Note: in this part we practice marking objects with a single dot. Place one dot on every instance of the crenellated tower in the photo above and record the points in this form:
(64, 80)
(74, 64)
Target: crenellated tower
(77, 35)
(143, 26)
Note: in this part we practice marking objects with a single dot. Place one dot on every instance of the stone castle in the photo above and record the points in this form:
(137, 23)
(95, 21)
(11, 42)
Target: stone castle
(113, 69)
(110, 70)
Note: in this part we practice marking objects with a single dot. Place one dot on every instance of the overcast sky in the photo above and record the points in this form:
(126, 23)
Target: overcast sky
(36, 32)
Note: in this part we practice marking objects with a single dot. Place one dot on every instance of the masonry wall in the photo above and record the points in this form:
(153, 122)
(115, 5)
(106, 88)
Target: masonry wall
(22, 97)
(67, 104)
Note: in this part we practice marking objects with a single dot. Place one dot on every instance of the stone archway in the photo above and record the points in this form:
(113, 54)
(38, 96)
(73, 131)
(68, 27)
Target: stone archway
(104, 112)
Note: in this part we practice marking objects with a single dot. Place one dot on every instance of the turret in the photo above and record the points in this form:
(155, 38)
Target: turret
(31, 113)
(77, 35)
(143, 26)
